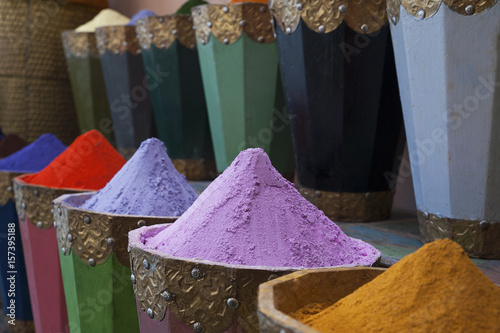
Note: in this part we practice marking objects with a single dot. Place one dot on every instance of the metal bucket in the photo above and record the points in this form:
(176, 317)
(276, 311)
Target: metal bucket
(126, 87)
(171, 61)
(342, 94)
(36, 223)
(291, 293)
(12, 267)
(95, 265)
(87, 82)
(240, 70)
(448, 62)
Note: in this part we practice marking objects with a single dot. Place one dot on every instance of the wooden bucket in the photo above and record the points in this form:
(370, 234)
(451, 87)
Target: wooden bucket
(292, 292)
(12, 264)
(448, 62)
(87, 82)
(342, 93)
(36, 222)
(171, 61)
(95, 265)
(35, 92)
(240, 71)
(126, 87)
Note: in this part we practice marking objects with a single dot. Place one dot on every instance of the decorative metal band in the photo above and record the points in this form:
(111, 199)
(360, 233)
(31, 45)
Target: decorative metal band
(6, 187)
(117, 39)
(198, 293)
(196, 169)
(79, 44)
(95, 236)
(478, 238)
(323, 16)
(227, 22)
(35, 202)
(162, 31)
(351, 207)
(422, 9)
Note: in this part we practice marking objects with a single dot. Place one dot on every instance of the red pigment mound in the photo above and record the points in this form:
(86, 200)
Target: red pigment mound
(88, 163)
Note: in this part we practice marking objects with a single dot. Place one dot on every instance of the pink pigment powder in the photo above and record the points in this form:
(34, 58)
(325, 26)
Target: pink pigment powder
(251, 215)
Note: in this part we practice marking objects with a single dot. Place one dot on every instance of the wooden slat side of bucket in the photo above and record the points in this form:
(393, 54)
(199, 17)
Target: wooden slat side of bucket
(292, 292)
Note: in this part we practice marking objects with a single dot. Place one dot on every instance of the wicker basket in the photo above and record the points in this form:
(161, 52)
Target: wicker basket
(35, 93)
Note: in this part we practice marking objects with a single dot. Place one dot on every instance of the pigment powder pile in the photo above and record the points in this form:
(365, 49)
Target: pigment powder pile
(251, 215)
(185, 9)
(11, 143)
(35, 156)
(139, 15)
(106, 17)
(436, 289)
(88, 163)
(147, 185)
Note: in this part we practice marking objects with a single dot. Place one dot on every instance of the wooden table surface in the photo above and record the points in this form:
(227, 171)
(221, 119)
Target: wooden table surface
(400, 236)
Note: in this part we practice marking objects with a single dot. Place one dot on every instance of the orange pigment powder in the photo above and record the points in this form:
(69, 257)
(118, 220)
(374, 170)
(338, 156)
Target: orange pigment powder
(436, 289)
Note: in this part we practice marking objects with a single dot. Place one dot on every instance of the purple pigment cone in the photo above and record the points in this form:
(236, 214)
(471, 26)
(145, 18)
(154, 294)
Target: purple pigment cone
(147, 185)
(35, 156)
(251, 215)
(141, 14)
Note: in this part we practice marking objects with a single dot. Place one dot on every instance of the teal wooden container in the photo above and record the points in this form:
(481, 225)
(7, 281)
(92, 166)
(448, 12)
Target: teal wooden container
(176, 90)
(240, 69)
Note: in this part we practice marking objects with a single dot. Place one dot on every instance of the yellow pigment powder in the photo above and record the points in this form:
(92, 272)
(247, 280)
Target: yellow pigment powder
(436, 289)
(106, 17)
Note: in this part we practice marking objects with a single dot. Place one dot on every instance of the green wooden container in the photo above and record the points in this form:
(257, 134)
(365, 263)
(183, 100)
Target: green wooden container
(171, 61)
(87, 82)
(240, 69)
(95, 265)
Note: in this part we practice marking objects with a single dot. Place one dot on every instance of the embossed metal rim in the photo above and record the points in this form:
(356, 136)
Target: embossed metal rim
(79, 44)
(416, 8)
(324, 16)
(118, 39)
(162, 31)
(35, 201)
(95, 236)
(235, 284)
(227, 22)
(480, 239)
(6, 185)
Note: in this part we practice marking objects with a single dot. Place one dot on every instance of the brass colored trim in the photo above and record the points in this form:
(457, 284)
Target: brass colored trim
(117, 40)
(202, 299)
(196, 169)
(424, 9)
(35, 202)
(97, 235)
(162, 31)
(227, 22)
(323, 16)
(79, 44)
(351, 207)
(480, 239)
(6, 186)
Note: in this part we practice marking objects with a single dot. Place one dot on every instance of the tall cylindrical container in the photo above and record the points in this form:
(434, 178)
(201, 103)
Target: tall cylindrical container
(126, 86)
(240, 69)
(448, 58)
(176, 89)
(342, 93)
(87, 82)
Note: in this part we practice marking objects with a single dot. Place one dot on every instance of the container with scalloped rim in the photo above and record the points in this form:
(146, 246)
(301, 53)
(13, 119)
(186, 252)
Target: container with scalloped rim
(95, 265)
(168, 45)
(447, 56)
(240, 70)
(36, 223)
(290, 293)
(181, 295)
(343, 99)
